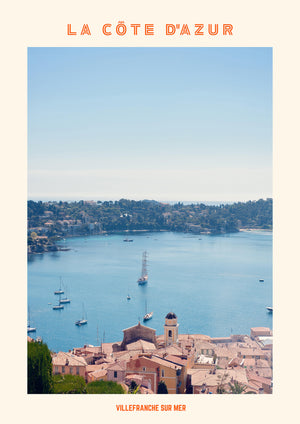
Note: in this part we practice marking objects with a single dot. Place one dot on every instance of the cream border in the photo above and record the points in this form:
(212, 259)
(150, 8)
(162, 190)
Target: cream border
(256, 23)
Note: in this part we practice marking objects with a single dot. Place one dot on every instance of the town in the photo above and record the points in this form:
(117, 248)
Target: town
(182, 363)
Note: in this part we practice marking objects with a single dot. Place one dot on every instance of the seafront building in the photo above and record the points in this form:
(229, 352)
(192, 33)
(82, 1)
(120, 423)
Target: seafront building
(187, 364)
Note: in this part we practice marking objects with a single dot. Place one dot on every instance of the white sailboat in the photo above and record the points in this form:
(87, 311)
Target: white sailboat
(60, 290)
(148, 315)
(144, 275)
(59, 306)
(64, 300)
(29, 328)
(82, 321)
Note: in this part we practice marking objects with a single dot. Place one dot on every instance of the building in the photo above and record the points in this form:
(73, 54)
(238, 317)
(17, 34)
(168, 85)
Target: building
(135, 333)
(171, 329)
(260, 331)
(67, 363)
(156, 369)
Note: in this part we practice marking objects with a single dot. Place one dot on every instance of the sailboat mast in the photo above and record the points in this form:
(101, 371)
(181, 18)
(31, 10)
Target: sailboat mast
(144, 264)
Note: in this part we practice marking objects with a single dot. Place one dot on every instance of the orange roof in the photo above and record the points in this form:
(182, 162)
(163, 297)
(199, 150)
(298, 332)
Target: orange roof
(68, 359)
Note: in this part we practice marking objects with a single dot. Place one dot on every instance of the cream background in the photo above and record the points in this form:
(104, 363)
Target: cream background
(256, 23)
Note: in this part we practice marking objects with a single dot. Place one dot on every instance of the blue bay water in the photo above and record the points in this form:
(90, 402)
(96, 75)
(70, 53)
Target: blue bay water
(210, 282)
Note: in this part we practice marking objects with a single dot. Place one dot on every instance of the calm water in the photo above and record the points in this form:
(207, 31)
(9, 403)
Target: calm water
(210, 282)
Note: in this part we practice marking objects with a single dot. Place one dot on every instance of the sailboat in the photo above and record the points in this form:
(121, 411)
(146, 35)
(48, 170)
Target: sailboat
(148, 315)
(59, 306)
(64, 300)
(82, 321)
(144, 276)
(29, 328)
(60, 290)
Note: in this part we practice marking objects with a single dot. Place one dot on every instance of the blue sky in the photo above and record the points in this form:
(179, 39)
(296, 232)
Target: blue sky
(160, 123)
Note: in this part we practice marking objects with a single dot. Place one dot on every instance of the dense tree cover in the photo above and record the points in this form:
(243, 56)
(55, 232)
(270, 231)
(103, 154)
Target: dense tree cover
(60, 219)
(102, 387)
(39, 368)
(68, 384)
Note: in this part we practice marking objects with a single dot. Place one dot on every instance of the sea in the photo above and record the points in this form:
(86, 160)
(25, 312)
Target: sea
(212, 283)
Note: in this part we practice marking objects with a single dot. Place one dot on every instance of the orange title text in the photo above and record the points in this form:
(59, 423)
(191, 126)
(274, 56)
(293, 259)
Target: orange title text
(122, 29)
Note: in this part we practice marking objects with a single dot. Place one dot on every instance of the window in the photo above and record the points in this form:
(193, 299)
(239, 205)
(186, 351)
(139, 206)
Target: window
(162, 373)
(63, 369)
(56, 369)
(77, 370)
(71, 370)
(144, 368)
(115, 374)
(170, 333)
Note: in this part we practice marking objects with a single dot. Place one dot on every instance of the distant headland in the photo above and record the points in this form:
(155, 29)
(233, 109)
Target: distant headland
(49, 221)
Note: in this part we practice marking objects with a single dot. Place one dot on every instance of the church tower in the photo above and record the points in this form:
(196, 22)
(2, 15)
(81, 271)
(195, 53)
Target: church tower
(171, 329)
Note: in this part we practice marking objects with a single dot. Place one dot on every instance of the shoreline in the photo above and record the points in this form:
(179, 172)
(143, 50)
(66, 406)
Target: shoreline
(106, 233)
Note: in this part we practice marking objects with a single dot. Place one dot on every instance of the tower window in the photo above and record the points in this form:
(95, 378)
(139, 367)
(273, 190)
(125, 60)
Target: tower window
(170, 333)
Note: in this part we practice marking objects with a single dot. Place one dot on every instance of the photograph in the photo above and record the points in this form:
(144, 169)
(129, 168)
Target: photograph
(150, 220)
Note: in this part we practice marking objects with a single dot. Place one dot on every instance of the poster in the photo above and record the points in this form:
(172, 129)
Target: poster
(253, 25)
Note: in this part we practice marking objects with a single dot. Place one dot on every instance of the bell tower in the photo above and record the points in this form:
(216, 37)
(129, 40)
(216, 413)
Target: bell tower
(171, 329)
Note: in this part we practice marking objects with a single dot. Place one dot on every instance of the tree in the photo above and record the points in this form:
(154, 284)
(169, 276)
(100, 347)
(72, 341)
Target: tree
(237, 388)
(101, 387)
(162, 388)
(134, 388)
(70, 384)
(39, 368)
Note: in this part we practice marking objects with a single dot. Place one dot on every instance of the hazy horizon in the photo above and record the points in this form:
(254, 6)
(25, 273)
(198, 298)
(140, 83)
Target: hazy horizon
(208, 202)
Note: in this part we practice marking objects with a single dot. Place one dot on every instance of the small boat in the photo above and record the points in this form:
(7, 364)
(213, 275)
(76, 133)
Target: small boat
(148, 315)
(144, 276)
(60, 290)
(269, 308)
(56, 307)
(261, 280)
(128, 297)
(82, 321)
(65, 300)
(127, 239)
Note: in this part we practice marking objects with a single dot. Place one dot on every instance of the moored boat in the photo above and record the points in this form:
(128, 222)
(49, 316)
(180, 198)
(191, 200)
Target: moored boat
(56, 307)
(65, 300)
(29, 328)
(269, 308)
(144, 275)
(60, 290)
(82, 321)
(148, 315)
